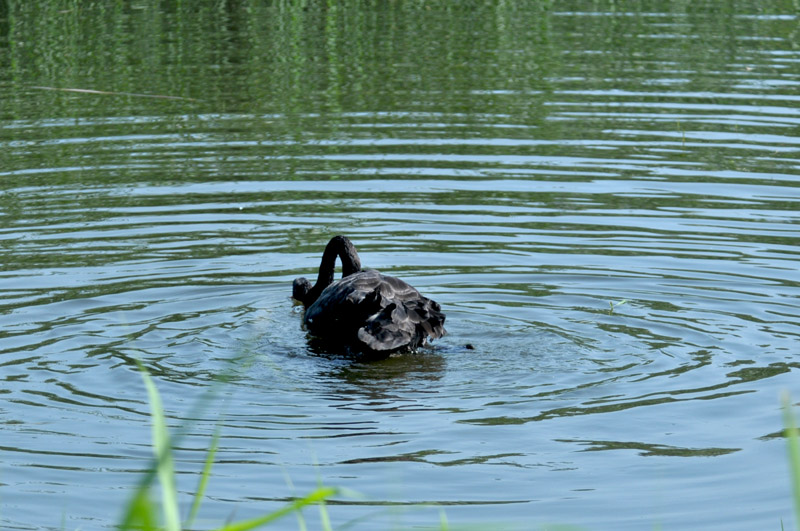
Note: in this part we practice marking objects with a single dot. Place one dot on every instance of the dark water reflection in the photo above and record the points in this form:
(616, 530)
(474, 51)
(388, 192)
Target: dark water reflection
(605, 203)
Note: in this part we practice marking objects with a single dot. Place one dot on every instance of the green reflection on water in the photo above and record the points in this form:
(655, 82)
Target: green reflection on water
(307, 57)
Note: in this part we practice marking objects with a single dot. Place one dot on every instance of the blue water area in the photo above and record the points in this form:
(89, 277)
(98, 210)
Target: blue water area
(604, 202)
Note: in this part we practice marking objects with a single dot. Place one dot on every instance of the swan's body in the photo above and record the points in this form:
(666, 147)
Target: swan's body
(366, 311)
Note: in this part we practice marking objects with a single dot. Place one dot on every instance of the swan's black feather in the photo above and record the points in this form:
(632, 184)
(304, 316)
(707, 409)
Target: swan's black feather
(368, 311)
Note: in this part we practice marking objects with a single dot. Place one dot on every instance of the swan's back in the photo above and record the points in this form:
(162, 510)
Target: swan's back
(375, 313)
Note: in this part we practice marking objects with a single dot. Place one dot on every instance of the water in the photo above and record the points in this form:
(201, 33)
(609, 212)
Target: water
(605, 203)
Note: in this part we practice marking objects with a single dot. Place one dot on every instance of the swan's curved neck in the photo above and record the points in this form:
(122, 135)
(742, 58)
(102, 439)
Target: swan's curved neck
(343, 248)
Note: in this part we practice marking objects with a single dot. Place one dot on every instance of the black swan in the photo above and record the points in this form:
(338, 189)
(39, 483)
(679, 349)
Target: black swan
(365, 311)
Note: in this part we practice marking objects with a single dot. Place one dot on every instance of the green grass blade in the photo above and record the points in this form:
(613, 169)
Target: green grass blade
(325, 519)
(141, 512)
(443, 526)
(204, 477)
(301, 521)
(317, 496)
(794, 454)
(163, 451)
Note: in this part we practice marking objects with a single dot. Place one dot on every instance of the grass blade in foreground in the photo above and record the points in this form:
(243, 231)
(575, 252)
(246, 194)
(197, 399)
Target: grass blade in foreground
(317, 496)
(141, 513)
(164, 462)
(794, 454)
(201, 486)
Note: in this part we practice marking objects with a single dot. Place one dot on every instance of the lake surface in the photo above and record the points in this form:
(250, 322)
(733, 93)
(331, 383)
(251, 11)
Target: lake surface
(605, 203)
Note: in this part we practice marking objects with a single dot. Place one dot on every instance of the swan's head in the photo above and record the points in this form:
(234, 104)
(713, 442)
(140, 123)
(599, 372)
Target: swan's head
(300, 288)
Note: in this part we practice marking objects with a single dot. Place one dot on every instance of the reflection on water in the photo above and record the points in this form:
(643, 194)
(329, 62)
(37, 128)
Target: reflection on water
(604, 203)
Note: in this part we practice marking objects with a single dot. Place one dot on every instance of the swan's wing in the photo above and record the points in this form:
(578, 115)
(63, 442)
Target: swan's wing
(344, 304)
(403, 324)
(383, 312)
(427, 316)
(388, 330)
